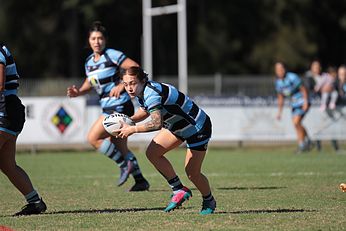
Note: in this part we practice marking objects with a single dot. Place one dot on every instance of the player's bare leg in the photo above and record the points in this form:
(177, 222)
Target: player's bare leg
(193, 165)
(297, 122)
(163, 142)
(18, 176)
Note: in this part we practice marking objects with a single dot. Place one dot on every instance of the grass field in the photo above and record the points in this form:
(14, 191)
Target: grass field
(255, 188)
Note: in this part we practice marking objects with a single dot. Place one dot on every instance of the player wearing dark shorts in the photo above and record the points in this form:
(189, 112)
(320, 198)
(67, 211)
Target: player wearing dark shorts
(12, 118)
(101, 69)
(289, 85)
(178, 119)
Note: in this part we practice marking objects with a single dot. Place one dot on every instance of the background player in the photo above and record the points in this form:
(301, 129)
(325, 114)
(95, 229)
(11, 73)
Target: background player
(289, 84)
(101, 69)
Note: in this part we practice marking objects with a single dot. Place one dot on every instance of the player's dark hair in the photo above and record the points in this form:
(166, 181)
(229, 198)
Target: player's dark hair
(98, 27)
(134, 71)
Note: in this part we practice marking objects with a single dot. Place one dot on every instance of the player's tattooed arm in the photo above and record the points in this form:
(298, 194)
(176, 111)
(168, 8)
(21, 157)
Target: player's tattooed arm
(156, 121)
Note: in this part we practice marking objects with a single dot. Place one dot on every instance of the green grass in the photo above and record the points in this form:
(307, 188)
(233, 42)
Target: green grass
(255, 188)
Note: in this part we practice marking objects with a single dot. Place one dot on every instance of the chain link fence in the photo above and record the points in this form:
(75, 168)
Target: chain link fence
(207, 85)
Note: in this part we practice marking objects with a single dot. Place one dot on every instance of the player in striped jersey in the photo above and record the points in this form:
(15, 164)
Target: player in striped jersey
(178, 119)
(12, 118)
(289, 84)
(101, 69)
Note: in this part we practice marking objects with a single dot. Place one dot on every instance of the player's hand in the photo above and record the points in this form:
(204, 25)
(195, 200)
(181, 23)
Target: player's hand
(116, 91)
(72, 91)
(124, 131)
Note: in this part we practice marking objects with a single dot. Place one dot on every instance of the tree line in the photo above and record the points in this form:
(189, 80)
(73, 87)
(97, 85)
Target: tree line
(49, 38)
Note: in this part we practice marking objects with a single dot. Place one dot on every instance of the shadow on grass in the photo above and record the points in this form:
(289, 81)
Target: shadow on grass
(259, 211)
(251, 188)
(124, 210)
(86, 211)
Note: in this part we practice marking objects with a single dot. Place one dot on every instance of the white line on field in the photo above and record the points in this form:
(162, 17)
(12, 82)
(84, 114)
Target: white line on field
(248, 174)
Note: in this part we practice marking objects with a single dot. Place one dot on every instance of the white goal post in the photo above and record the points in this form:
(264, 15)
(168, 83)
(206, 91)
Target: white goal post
(148, 12)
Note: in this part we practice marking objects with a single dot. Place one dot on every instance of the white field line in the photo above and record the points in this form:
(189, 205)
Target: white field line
(273, 174)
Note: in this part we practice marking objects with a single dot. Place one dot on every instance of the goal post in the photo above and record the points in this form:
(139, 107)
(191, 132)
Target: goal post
(148, 12)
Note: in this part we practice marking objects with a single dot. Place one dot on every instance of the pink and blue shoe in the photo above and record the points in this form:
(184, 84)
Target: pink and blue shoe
(178, 198)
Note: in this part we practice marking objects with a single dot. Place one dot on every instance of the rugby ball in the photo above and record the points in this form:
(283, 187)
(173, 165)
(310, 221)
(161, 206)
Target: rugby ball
(112, 122)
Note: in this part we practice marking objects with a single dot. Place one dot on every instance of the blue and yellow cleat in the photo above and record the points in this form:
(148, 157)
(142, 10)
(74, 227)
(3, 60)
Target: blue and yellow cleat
(178, 198)
(208, 207)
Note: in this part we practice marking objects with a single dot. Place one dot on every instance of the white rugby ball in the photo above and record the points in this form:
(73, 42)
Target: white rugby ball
(112, 122)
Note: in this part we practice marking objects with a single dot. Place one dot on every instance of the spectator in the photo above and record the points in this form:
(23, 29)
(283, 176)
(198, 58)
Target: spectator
(314, 80)
(341, 84)
(326, 86)
(312, 77)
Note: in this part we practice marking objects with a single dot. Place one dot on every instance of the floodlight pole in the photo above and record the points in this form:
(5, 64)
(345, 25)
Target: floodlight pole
(148, 12)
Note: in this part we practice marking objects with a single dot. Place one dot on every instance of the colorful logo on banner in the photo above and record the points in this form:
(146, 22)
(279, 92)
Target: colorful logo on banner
(61, 119)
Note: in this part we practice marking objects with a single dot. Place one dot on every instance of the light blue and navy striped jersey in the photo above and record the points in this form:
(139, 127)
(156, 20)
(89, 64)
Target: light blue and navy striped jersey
(12, 77)
(102, 75)
(180, 114)
(289, 86)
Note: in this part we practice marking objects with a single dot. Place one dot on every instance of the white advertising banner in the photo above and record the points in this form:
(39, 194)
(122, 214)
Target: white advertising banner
(59, 120)
(53, 120)
(260, 123)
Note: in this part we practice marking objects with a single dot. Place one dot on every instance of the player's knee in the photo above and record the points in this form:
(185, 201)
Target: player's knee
(296, 124)
(92, 141)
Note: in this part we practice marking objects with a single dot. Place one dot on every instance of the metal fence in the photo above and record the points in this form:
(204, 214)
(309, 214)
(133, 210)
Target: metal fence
(206, 85)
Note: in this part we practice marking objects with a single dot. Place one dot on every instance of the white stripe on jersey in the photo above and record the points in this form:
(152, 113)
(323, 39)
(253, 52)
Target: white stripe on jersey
(99, 70)
(168, 95)
(11, 65)
(12, 81)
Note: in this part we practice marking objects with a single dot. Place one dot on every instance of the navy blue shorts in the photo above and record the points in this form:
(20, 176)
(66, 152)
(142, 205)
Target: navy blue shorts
(13, 122)
(298, 111)
(125, 108)
(200, 140)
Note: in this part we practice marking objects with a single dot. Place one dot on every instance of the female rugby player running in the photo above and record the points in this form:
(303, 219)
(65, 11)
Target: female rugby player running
(101, 69)
(178, 119)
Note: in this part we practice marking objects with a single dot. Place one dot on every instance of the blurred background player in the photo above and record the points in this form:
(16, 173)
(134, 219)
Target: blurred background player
(101, 69)
(12, 118)
(178, 119)
(289, 84)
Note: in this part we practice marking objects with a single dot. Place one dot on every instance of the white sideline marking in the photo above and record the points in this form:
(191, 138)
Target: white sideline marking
(273, 174)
